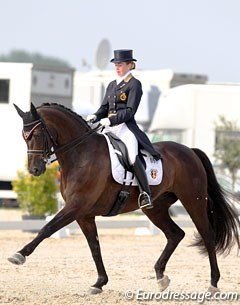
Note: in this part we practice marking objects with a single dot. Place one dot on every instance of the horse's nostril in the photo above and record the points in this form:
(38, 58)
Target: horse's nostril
(35, 171)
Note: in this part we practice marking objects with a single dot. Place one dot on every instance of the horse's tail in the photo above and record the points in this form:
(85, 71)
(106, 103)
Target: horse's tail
(223, 217)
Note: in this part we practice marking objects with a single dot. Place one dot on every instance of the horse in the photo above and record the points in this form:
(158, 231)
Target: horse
(89, 190)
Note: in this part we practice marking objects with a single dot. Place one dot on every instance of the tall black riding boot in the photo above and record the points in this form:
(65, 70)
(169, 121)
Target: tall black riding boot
(144, 200)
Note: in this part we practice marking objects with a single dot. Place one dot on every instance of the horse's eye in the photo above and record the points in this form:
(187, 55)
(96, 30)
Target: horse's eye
(38, 135)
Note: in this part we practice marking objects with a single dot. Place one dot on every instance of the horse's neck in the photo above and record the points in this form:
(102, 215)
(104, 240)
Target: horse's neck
(76, 142)
(65, 126)
(70, 131)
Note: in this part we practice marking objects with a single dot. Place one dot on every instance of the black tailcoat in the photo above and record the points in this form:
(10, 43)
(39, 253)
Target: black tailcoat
(120, 104)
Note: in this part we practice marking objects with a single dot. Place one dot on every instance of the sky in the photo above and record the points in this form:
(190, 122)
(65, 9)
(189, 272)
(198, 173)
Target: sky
(187, 36)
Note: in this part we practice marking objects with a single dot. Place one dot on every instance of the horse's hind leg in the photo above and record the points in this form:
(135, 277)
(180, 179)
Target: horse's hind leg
(89, 229)
(199, 216)
(174, 235)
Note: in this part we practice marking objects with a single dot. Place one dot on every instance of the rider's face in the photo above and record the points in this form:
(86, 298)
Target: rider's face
(121, 68)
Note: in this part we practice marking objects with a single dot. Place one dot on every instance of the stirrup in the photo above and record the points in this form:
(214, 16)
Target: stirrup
(144, 201)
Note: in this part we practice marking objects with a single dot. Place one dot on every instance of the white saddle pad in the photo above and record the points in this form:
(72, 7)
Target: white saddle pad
(153, 168)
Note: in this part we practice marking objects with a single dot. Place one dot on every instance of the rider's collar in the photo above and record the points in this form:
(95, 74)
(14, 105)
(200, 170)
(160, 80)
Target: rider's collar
(125, 77)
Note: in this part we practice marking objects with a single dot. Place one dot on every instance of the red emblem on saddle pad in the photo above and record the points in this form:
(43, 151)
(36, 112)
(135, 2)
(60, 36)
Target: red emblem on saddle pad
(154, 173)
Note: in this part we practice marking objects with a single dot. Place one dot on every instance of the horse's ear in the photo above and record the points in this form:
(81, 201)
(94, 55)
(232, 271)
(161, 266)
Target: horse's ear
(19, 111)
(34, 111)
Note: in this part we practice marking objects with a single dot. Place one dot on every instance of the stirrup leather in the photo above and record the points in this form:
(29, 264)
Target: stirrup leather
(145, 198)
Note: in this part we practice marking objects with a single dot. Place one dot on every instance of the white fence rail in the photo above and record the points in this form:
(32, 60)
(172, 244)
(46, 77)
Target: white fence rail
(105, 223)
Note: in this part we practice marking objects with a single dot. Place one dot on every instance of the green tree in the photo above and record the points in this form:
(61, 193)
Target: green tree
(37, 195)
(35, 58)
(227, 151)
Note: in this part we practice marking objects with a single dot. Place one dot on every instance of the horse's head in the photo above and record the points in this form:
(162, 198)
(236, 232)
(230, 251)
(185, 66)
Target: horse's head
(35, 135)
(51, 130)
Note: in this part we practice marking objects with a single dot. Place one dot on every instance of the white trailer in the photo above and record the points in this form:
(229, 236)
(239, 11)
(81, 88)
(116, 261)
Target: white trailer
(22, 83)
(13, 149)
(188, 114)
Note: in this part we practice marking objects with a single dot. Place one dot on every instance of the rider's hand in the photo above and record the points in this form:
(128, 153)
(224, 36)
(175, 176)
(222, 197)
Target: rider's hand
(105, 122)
(91, 117)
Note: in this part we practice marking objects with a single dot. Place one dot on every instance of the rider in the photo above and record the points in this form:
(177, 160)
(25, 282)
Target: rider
(117, 112)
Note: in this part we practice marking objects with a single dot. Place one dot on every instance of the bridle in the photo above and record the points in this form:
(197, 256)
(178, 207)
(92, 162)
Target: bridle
(48, 153)
(47, 150)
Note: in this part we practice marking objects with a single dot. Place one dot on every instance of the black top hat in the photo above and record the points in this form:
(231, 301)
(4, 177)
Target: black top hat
(123, 55)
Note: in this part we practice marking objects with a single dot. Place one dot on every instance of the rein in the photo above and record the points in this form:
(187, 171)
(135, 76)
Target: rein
(74, 143)
(48, 151)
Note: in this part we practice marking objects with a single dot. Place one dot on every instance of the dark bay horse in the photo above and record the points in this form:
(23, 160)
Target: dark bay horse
(89, 190)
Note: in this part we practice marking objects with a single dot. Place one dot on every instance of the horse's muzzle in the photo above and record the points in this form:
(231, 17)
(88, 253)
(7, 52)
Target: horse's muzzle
(37, 170)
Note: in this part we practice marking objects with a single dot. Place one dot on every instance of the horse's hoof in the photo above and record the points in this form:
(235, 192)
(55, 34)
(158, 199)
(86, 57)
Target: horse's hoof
(213, 290)
(94, 290)
(163, 283)
(17, 259)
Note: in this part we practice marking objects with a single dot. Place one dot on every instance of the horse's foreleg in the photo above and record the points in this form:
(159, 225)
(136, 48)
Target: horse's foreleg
(63, 218)
(89, 229)
(173, 234)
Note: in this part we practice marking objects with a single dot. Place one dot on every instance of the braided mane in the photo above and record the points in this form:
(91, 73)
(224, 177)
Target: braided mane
(65, 109)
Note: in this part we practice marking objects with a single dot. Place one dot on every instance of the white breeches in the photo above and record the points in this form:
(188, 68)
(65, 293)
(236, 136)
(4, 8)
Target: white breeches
(123, 133)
